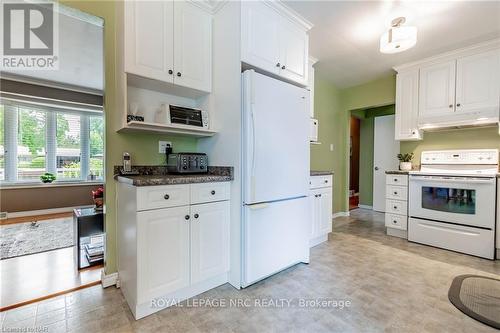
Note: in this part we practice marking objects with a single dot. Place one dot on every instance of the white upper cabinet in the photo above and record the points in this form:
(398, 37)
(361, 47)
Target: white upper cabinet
(437, 90)
(407, 106)
(149, 39)
(294, 50)
(192, 46)
(478, 84)
(274, 41)
(169, 41)
(259, 36)
(458, 88)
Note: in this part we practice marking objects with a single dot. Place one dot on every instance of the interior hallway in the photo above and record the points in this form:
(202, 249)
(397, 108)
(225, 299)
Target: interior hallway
(359, 264)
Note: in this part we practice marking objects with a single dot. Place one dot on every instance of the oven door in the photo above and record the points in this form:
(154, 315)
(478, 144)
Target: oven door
(467, 201)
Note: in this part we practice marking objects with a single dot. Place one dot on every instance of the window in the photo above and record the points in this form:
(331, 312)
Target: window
(35, 140)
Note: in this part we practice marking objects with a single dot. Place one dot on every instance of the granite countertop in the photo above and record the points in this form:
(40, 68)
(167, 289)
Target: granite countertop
(321, 172)
(157, 175)
(396, 172)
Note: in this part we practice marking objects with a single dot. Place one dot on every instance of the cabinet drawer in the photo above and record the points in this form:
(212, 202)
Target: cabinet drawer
(396, 180)
(152, 197)
(209, 192)
(396, 207)
(396, 221)
(320, 181)
(396, 192)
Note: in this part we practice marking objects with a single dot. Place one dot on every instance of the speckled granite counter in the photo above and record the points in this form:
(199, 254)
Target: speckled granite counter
(321, 173)
(157, 175)
(396, 172)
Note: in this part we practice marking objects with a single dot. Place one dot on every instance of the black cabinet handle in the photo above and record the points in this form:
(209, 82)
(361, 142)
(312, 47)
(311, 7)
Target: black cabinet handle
(179, 74)
(450, 106)
(395, 193)
(326, 181)
(394, 221)
(213, 192)
(170, 72)
(395, 179)
(283, 67)
(278, 64)
(196, 216)
(166, 197)
(186, 217)
(458, 104)
(395, 207)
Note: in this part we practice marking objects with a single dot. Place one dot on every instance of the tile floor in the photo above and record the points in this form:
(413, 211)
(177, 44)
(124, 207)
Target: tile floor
(392, 286)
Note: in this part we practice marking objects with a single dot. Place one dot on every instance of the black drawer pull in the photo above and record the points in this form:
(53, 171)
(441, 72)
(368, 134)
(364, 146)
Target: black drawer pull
(196, 216)
(186, 217)
(395, 179)
(395, 207)
(166, 197)
(395, 193)
(213, 192)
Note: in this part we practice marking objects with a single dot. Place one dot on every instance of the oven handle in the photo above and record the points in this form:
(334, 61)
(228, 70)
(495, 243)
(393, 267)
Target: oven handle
(454, 180)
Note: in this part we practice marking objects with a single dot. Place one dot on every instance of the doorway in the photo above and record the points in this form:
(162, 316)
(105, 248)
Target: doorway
(354, 151)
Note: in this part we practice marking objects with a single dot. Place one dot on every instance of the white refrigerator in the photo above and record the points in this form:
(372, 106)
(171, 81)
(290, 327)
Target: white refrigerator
(275, 174)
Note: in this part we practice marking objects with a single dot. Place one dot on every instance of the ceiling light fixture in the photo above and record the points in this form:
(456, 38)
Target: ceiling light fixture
(398, 38)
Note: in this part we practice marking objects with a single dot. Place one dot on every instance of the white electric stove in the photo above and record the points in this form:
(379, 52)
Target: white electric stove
(452, 201)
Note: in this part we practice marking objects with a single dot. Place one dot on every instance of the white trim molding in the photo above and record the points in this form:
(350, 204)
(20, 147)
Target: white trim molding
(108, 280)
(339, 214)
(365, 207)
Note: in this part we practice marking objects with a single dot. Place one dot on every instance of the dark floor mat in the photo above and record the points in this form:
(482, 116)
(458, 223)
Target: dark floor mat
(478, 297)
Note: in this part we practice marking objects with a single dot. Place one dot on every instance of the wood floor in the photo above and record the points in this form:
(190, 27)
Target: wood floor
(391, 286)
(23, 219)
(36, 276)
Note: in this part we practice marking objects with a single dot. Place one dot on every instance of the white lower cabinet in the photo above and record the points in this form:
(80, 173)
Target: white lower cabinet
(320, 198)
(396, 205)
(209, 240)
(166, 255)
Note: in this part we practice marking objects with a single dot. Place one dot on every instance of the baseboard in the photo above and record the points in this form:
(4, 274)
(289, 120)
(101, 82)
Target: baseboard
(339, 214)
(45, 211)
(397, 233)
(108, 280)
(498, 254)
(365, 207)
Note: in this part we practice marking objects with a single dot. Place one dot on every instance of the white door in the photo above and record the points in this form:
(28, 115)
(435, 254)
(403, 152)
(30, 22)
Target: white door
(209, 240)
(149, 39)
(275, 139)
(259, 36)
(407, 106)
(162, 251)
(325, 220)
(276, 236)
(478, 83)
(385, 151)
(437, 90)
(192, 46)
(294, 50)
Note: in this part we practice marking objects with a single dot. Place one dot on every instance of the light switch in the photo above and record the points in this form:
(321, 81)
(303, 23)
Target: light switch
(162, 145)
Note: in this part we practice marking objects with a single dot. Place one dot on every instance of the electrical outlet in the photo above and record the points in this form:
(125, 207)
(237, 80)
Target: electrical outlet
(331, 146)
(162, 145)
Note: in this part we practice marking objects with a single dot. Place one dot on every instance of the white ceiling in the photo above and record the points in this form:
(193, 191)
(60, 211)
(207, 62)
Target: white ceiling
(345, 36)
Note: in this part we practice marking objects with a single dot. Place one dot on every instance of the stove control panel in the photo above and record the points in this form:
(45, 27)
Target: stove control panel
(464, 157)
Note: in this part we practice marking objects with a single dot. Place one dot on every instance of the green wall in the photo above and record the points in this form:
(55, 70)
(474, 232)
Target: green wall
(471, 138)
(332, 130)
(142, 147)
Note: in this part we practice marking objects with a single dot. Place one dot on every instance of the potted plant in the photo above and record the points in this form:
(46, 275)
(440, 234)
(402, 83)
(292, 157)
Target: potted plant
(405, 161)
(98, 197)
(47, 177)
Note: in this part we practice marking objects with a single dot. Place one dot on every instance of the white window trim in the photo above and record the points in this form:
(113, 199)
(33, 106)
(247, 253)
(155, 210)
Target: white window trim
(11, 118)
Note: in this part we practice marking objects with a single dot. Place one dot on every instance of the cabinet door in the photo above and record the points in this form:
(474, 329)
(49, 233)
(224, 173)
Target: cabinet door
(259, 36)
(192, 46)
(437, 90)
(162, 251)
(149, 39)
(407, 106)
(294, 49)
(325, 220)
(209, 240)
(314, 202)
(478, 84)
